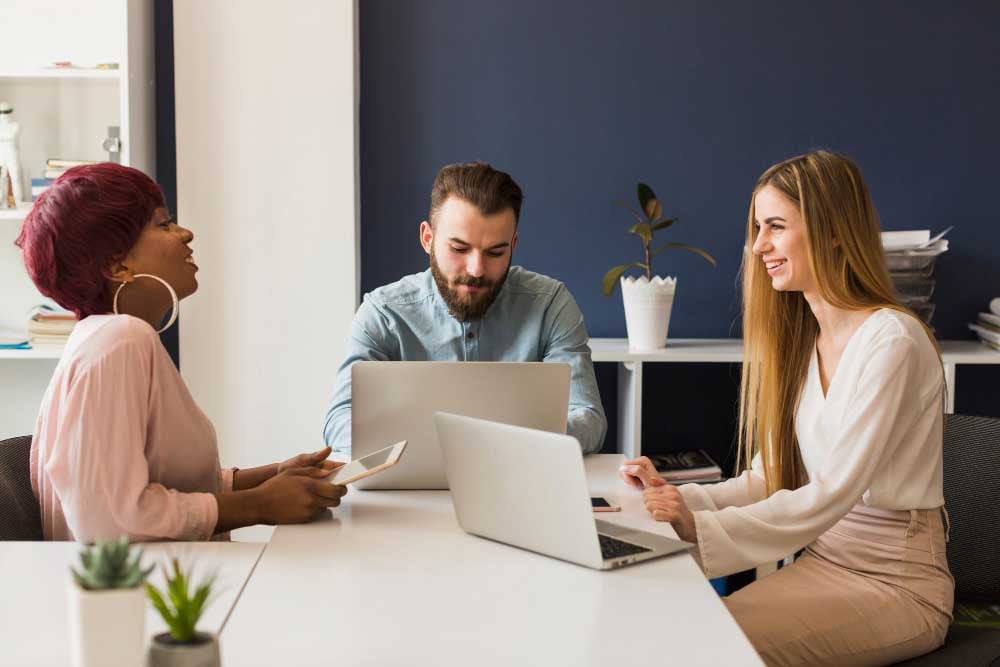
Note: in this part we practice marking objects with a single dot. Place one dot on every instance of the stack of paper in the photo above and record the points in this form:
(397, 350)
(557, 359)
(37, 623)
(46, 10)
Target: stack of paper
(987, 325)
(910, 256)
(49, 324)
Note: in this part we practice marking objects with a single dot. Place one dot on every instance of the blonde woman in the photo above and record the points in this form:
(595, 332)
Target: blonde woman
(841, 418)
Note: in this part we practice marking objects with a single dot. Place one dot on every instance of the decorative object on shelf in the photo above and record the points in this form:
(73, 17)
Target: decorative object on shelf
(648, 299)
(107, 606)
(6, 190)
(181, 607)
(10, 157)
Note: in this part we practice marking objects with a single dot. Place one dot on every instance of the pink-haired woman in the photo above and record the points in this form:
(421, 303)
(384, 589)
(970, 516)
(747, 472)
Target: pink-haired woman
(120, 446)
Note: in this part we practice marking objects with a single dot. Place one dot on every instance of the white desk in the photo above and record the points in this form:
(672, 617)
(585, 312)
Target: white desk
(390, 579)
(727, 350)
(34, 625)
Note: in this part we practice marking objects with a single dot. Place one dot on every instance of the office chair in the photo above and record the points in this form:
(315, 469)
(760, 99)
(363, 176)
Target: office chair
(20, 517)
(972, 497)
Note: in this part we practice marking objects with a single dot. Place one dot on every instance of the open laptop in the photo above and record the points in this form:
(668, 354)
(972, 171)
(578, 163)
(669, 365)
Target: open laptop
(396, 400)
(528, 488)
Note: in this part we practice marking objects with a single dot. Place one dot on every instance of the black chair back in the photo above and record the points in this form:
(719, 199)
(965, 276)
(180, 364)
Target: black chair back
(972, 498)
(20, 518)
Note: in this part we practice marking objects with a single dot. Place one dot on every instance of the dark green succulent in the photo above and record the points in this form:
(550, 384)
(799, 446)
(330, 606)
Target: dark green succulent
(109, 564)
(651, 220)
(180, 606)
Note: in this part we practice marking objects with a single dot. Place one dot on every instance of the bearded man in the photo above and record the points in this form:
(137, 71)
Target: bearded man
(471, 304)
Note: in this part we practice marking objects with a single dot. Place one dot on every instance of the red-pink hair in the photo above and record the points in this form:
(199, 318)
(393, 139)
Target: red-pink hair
(90, 217)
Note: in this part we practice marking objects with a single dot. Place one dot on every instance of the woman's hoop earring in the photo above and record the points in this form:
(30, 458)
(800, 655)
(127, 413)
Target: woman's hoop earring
(173, 297)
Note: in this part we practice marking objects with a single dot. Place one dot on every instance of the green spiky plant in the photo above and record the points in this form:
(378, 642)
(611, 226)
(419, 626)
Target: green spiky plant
(109, 565)
(180, 606)
(651, 220)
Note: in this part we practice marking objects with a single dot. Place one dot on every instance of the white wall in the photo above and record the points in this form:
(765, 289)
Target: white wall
(266, 104)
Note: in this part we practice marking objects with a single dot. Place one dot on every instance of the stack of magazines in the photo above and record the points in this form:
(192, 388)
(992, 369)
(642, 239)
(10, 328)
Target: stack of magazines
(49, 324)
(687, 467)
(987, 325)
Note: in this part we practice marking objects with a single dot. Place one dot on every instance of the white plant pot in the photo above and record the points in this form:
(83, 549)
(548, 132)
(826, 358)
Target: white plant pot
(205, 653)
(107, 628)
(647, 310)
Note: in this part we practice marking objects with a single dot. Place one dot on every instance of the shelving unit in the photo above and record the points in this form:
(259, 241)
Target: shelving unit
(726, 350)
(65, 113)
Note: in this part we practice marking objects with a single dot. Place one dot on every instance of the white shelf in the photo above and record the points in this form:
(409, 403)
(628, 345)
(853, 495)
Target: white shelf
(15, 214)
(728, 350)
(64, 73)
(37, 352)
(720, 350)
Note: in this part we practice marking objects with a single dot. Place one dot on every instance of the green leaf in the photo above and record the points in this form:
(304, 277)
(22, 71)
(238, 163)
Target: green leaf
(663, 224)
(642, 230)
(612, 276)
(654, 209)
(638, 218)
(645, 196)
(684, 246)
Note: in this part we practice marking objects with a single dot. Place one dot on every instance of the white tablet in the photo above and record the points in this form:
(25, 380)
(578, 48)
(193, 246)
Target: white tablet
(370, 464)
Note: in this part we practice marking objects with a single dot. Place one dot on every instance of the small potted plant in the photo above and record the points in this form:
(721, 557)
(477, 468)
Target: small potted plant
(181, 606)
(107, 606)
(648, 299)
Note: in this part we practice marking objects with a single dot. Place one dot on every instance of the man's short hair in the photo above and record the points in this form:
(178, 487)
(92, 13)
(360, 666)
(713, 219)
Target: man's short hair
(478, 183)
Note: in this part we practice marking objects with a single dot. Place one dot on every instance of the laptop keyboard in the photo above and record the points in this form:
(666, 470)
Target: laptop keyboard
(612, 548)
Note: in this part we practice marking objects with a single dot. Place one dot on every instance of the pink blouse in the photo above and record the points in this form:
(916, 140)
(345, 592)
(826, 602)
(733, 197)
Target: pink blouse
(120, 446)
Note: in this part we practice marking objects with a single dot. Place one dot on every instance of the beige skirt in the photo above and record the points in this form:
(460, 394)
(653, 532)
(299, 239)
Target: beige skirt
(873, 590)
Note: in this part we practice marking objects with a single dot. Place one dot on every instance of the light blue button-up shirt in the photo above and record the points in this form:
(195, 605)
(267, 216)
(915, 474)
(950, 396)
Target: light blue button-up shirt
(534, 318)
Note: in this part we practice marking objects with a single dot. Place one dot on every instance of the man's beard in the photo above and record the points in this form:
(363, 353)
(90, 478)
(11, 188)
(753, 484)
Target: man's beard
(468, 306)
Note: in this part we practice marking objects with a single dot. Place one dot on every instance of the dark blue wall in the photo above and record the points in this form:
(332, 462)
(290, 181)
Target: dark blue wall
(166, 138)
(581, 99)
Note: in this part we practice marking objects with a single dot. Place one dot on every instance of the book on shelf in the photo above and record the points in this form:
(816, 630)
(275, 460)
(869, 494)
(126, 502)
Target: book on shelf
(60, 163)
(49, 324)
(980, 615)
(38, 186)
(688, 466)
(13, 340)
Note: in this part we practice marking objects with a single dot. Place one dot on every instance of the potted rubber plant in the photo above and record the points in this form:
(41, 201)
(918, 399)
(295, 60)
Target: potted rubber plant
(181, 606)
(107, 606)
(648, 298)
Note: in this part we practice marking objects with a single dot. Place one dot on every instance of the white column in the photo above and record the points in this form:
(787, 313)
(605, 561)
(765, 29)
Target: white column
(267, 180)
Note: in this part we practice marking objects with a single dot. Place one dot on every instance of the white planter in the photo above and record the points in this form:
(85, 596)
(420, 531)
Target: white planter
(107, 628)
(203, 654)
(647, 310)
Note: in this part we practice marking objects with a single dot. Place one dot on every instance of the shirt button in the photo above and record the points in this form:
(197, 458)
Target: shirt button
(470, 335)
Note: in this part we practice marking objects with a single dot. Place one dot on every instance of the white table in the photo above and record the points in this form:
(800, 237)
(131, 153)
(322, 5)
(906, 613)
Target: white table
(727, 350)
(34, 625)
(390, 579)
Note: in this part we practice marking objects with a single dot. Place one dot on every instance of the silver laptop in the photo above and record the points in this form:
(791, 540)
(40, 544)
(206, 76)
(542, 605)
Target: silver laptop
(396, 400)
(528, 488)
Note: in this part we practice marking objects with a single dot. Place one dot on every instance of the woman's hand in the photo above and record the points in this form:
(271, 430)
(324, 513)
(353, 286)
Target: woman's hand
(640, 473)
(317, 460)
(666, 503)
(295, 496)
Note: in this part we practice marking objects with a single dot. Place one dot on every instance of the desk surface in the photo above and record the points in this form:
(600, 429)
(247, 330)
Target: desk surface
(390, 579)
(34, 619)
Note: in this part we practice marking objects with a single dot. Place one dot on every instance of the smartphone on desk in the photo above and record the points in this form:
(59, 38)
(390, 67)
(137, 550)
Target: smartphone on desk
(602, 505)
(368, 465)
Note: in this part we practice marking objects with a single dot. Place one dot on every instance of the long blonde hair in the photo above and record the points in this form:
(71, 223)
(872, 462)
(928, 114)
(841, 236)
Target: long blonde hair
(779, 329)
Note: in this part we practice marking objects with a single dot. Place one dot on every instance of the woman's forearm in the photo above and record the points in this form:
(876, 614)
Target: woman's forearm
(237, 509)
(250, 478)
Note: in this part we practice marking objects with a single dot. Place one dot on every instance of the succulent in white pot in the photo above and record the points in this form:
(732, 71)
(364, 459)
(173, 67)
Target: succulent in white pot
(181, 606)
(107, 606)
(648, 299)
